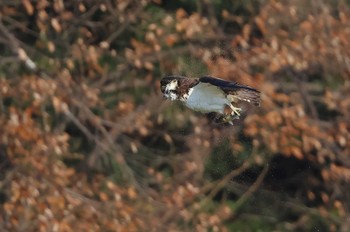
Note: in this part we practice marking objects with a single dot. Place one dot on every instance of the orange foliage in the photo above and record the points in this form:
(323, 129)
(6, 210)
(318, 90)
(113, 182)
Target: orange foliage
(88, 144)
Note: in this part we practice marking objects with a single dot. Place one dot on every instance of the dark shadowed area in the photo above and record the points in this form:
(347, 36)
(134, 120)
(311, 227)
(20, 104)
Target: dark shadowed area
(87, 142)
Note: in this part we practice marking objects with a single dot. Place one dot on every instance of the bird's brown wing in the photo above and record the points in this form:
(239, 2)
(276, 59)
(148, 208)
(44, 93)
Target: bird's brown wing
(189, 82)
(237, 91)
(186, 84)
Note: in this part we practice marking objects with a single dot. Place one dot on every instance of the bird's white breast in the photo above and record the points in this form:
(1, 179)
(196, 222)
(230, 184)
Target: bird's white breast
(206, 98)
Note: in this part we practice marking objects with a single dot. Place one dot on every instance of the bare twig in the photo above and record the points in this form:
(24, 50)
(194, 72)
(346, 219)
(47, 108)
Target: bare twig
(217, 186)
(14, 45)
(312, 211)
(123, 26)
(252, 188)
(299, 80)
(125, 168)
(310, 105)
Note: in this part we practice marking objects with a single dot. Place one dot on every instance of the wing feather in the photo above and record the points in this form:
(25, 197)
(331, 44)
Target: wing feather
(237, 91)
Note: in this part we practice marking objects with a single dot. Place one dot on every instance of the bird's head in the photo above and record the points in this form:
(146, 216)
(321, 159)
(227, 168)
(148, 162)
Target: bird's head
(170, 87)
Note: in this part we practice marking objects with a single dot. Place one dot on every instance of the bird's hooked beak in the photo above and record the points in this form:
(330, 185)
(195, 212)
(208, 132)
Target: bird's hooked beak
(162, 88)
(166, 94)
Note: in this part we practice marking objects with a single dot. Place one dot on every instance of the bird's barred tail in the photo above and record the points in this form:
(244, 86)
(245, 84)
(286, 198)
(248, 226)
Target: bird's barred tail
(248, 94)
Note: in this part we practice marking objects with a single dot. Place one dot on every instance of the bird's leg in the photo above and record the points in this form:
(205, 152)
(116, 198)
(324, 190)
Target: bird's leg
(228, 116)
(235, 110)
(223, 118)
(228, 119)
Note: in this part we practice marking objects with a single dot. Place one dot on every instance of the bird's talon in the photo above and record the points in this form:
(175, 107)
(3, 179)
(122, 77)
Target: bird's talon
(235, 110)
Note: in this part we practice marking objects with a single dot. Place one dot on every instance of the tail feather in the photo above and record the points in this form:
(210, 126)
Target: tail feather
(248, 95)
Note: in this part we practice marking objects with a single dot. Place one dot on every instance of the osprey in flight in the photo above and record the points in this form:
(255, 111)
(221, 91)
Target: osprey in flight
(210, 95)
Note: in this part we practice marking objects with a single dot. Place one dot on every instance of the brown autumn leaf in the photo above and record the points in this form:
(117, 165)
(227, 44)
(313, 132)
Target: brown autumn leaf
(28, 6)
(56, 25)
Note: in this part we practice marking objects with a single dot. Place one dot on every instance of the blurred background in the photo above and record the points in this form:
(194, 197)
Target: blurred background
(87, 143)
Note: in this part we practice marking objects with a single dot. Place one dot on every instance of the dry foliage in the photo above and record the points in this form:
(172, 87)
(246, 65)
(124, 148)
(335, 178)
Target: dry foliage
(88, 144)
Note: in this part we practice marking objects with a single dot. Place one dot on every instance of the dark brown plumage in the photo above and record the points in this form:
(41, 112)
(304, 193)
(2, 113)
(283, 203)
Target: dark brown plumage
(243, 92)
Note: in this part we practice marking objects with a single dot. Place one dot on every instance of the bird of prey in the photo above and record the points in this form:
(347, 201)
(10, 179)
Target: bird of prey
(210, 95)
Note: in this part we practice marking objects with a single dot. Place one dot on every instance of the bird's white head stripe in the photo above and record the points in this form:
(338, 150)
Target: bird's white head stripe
(171, 86)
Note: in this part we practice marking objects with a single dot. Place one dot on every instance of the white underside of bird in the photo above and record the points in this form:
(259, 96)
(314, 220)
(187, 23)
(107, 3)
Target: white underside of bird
(207, 98)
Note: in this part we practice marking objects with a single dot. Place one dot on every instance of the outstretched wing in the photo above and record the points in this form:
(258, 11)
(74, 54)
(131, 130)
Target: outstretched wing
(236, 91)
